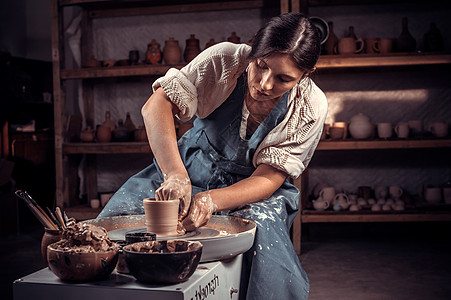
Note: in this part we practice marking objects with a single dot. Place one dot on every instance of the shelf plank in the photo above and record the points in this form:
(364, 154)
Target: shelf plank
(383, 144)
(121, 71)
(106, 148)
(380, 60)
(332, 217)
(325, 62)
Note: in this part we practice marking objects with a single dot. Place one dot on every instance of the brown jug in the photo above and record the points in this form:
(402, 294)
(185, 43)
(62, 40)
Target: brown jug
(103, 134)
(171, 52)
(108, 122)
(330, 46)
(130, 126)
(351, 32)
(153, 54)
(192, 48)
(87, 135)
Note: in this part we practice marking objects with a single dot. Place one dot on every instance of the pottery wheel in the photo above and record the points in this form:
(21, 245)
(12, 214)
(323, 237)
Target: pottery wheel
(223, 237)
(198, 234)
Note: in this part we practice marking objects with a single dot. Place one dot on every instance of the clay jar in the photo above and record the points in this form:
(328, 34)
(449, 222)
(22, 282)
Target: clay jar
(349, 45)
(120, 134)
(104, 131)
(140, 134)
(233, 38)
(192, 48)
(153, 54)
(360, 127)
(161, 216)
(171, 52)
(50, 236)
(87, 135)
(130, 127)
(405, 41)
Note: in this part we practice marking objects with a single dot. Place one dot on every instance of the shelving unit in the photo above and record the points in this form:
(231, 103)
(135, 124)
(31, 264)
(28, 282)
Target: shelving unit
(107, 8)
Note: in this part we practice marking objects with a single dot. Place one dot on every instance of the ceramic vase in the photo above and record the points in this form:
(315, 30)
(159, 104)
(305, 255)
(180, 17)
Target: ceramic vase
(330, 46)
(130, 126)
(233, 38)
(192, 48)
(433, 41)
(153, 53)
(171, 52)
(108, 123)
(405, 42)
(360, 127)
(351, 32)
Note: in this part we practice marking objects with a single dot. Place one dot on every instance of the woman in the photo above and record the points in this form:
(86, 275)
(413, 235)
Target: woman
(259, 120)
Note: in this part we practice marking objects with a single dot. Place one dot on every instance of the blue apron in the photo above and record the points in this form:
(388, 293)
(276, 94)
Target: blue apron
(216, 156)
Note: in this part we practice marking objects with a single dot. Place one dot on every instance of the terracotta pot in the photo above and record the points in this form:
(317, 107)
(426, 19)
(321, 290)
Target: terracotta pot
(140, 134)
(120, 134)
(50, 236)
(192, 48)
(153, 54)
(171, 52)
(87, 135)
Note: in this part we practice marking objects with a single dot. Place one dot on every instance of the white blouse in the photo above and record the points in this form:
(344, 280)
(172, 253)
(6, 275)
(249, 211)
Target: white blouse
(207, 81)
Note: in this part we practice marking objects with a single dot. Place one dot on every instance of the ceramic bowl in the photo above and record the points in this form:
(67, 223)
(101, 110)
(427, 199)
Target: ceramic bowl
(70, 265)
(322, 26)
(171, 261)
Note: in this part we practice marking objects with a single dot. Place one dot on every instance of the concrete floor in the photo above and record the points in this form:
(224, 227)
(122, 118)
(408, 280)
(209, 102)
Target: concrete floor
(344, 261)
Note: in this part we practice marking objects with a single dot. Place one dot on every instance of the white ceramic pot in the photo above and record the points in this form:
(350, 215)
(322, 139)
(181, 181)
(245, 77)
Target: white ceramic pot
(361, 127)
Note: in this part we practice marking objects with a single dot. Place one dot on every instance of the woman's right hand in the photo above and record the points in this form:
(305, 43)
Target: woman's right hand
(176, 187)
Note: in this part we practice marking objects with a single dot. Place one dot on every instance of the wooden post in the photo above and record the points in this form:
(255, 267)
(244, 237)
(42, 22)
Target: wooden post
(284, 6)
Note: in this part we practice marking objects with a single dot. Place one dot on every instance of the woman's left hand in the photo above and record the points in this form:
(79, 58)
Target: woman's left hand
(201, 209)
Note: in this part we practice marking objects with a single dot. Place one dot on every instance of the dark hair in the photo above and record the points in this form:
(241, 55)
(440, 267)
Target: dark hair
(291, 34)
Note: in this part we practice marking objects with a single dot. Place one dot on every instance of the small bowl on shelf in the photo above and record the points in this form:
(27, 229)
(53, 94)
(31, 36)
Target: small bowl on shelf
(170, 261)
(71, 265)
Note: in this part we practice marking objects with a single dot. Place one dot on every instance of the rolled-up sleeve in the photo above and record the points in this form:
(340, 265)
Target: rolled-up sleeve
(289, 147)
(205, 83)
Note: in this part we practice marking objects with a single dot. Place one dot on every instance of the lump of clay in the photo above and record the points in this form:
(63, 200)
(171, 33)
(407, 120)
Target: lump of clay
(81, 237)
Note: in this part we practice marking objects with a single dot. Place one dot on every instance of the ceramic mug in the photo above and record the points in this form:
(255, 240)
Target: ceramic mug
(395, 191)
(415, 126)
(327, 193)
(402, 130)
(384, 46)
(384, 130)
(438, 129)
(343, 125)
(381, 192)
(433, 194)
(371, 45)
(349, 45)
(336, 133)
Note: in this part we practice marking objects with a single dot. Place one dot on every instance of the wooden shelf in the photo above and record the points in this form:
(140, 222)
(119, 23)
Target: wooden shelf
(381, 60)
(325, 62)
(383, 144)
(106, 148)
(369, 216)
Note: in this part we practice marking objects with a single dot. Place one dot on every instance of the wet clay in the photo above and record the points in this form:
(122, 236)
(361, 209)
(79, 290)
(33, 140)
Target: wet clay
(162, 216)
(83, 237)
(163, 246)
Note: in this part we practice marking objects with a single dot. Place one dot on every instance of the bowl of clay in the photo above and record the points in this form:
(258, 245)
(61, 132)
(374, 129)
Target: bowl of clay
(71, 264)
(170, 261)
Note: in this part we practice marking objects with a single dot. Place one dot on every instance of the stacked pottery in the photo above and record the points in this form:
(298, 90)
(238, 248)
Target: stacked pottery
(192, 48)
(361, 127)
(171, 52)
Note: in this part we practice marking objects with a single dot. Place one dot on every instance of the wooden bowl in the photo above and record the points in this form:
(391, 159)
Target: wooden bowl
(171, 261)
(71, 265)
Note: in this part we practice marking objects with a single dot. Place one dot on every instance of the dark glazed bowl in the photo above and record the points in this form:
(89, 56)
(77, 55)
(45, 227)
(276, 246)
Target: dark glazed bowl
(171, 261)
(70, 265)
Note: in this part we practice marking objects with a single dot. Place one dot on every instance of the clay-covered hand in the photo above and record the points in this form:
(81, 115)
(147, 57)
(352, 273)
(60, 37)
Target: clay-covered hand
(173, 188)
(202, 207)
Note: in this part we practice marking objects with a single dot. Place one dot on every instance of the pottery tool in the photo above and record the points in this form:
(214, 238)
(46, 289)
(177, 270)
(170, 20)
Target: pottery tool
(59, 216)
(36, 210)
(54, 219)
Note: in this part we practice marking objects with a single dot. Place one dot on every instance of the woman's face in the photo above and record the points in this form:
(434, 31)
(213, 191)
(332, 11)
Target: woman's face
(269, 78)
